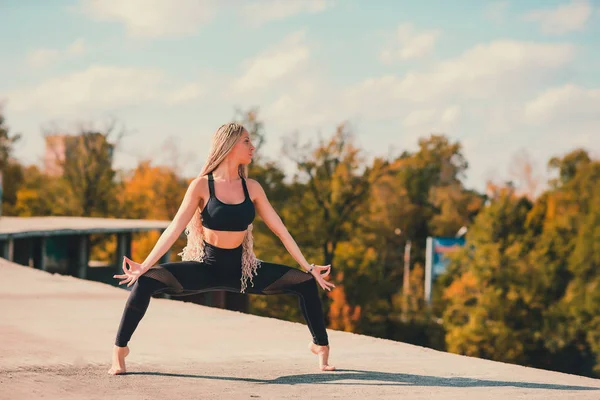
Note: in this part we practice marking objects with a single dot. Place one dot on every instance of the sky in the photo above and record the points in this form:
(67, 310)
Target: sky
(509, 80)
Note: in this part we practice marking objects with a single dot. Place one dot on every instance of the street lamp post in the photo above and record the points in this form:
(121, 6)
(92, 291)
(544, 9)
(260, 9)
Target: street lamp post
(406, 282)
(406, 275)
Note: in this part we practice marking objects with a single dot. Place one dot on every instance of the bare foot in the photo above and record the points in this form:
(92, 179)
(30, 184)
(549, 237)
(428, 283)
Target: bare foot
(323, 352)
(118, 360)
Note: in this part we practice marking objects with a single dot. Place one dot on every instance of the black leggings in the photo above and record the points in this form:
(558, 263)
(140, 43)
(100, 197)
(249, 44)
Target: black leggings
(222, 270)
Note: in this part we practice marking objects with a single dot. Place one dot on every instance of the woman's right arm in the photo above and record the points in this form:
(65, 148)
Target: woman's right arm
(188, 206)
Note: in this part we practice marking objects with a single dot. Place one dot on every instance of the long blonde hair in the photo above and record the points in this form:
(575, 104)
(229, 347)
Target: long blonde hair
(222, 142)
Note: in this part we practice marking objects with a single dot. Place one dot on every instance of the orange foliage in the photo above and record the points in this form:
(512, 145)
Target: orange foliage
(463, 287)
(342, 315)
(151, 193)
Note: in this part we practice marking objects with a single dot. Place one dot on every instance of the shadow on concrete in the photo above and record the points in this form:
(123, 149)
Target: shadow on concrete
(375, 378)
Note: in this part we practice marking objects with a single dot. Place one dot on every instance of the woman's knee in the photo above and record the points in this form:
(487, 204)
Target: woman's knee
(308, 287)
(147, 284)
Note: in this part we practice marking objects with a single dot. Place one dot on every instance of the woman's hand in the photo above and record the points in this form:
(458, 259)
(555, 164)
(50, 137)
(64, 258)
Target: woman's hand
(316, 272)
(132, 273)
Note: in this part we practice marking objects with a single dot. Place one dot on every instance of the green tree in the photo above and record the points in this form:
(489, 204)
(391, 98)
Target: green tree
(332, 187)
(11, 174)
(42, 195)
(7, 142)
(487, 310)
(88, 173)
(525, 288)
(568, 165)
(12, 179)
(423, 195)
(88, 180)
(572, 323)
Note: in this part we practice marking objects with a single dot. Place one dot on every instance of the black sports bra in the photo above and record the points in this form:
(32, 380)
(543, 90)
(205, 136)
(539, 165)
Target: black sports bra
(221, 216)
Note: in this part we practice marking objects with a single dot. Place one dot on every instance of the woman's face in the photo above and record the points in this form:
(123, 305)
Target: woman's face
(243, 149)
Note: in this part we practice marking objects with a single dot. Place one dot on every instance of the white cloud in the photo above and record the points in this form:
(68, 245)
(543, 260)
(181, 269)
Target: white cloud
(487, 69)
(262, 11)
(568, 103)
(307, 102)
(496, 11)
(41, 57)
(156, 18)
(77, 47)
(290, 87)
(410, 44)
(483, 78)
(494, 71)
(185, 94)
(477, 98)
(418, 117)
(274, 65)
(432, 119)
(450, 115)
(153, 18)
(562, 19)
(95, 88)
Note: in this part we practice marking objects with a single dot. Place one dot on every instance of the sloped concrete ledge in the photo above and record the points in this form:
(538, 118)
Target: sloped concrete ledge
(57, 333)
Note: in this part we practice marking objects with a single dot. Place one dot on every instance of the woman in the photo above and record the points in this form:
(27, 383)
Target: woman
(218, 209)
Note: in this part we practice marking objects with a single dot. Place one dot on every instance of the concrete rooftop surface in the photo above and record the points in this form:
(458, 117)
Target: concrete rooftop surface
(57, 334)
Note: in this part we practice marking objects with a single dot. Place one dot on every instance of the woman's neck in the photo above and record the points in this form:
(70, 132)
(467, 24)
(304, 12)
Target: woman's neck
(227, 171)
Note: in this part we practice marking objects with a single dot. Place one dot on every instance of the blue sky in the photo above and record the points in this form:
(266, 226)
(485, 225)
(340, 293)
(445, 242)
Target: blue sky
(501, 77)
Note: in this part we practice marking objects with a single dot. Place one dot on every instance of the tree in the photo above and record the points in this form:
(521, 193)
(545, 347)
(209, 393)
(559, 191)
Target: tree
(437, 163)
(7, 142)
(421, 196)
(568, 165)
(320, 207)
(12, 178)
(525, 288)
(454, 207)
(330, 195)
(10, 170)
(42, 195)
(87, 172)
(151, 192)
(336, 187)
(487, 309)
(572, 323)
(428, 192)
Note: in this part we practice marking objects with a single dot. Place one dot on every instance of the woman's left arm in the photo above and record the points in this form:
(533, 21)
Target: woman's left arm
(273, 221)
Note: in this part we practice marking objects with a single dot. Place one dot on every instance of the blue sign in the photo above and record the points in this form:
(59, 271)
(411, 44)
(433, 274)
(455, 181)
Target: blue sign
(436, 261)
(440, 247)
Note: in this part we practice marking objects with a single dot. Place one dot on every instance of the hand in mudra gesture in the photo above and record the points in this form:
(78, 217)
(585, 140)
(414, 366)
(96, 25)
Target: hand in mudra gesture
(132, 271)
(320, 277)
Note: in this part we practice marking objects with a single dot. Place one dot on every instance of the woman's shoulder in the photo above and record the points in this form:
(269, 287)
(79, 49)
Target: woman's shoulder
(199, 180)
(199, 184)
(253, 183)
(255, 189)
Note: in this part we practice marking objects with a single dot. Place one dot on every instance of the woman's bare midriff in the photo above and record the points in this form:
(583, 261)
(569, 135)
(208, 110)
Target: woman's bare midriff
(224, 239)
